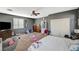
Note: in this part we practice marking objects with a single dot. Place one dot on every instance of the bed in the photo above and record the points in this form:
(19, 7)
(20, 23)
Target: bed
(26, 41)
(51, 43)
(45, 43)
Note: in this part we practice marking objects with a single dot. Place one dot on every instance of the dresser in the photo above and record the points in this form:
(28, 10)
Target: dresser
(36, 28)
(0, 44)
(4, 34)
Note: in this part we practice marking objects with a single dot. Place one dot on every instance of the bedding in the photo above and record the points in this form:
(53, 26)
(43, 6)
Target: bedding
(11, 42)
(74, 47)
(41, 42)
(51, 43)
(26, 40)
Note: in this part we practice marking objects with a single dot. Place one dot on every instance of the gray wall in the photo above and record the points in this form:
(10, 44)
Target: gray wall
(58, 16)
(9, 18)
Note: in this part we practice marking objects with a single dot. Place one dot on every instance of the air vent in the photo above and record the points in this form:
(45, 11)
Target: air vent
(9, 9)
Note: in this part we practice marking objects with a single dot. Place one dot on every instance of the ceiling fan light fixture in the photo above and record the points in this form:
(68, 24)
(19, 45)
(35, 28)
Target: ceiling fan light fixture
(34, 13)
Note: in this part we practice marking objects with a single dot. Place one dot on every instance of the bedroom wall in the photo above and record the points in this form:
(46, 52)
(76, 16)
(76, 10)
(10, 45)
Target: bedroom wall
(9, 18)
(67, 14)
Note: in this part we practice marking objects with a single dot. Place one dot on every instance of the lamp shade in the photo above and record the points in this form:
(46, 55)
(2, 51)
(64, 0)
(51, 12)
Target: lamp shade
(76, 30)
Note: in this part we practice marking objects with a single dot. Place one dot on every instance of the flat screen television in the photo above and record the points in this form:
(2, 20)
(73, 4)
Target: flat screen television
(5, 25)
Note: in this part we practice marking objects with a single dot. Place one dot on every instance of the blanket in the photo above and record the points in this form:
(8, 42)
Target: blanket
(25, 41)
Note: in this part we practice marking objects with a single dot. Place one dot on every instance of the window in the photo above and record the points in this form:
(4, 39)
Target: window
(18, 23)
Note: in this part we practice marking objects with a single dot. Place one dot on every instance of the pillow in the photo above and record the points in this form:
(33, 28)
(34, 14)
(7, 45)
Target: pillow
(34, 38)
(46, 31)
(11, 42)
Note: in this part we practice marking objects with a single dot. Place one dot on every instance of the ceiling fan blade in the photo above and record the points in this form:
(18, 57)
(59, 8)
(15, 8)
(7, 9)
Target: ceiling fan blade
(34, 13)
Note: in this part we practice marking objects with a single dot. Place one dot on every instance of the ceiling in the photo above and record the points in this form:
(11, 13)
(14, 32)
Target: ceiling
(26, 11)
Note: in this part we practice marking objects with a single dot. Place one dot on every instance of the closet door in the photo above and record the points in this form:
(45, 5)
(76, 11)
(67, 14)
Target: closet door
(60, 27)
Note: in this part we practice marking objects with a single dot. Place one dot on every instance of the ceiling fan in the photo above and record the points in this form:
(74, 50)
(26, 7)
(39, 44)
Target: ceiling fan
(34, 13)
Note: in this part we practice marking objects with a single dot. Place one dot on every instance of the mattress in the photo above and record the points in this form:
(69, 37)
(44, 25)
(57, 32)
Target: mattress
(51, 43)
